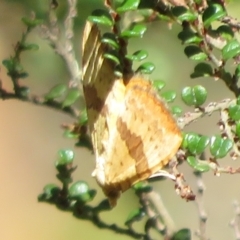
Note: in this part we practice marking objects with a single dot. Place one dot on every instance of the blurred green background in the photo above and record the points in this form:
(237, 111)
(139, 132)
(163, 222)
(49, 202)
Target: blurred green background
(31, 136)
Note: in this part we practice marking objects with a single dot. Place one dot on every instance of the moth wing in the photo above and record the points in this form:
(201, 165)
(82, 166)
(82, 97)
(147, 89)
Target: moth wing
(146, 137)
(98, 78)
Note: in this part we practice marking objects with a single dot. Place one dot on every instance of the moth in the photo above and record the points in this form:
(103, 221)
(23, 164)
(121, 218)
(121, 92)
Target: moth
(133, 133)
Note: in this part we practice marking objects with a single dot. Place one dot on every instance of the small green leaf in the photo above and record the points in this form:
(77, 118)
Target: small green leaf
(195, 53)
(113, 56)
(194, 143)
(100, 16)
(220, 147)
(237, 71)
(234, 112)
(159, 84)
(69, 134)
(103, 206)
(24, 91)
(200, 166)
(213, 13)
(135, 215)
(22, 75)
(183, 234)
(56, 92)
(136, 30)
(183, 14)
(83, 119)
(192, 161)
(225, 32)
(169, 96)
(194, 96)
(146, 68)
(128, 5)
(238, 128)
(231, 49)
(187, 37)
(110, 39)
(202, 70)
(138, 56)
(142, 187)
(72, 96)
(80, 191)
(29, 46)
(50, 191)
(31, 23)
(65, 157)
(176, 110)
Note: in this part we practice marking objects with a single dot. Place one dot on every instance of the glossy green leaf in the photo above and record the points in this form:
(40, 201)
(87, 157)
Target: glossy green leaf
(158, 84)
(83, 119)
(202, 70)
(29, 46)
(234, 112)
(183, 14)
(169, 96)
(231, 49)
(238, 129)
(176, 110)
(22, 75)
(100, 16)
(238, 100)
(195, 53)
(24, 91)
(110, 39)
(80, 191)
(135, 215)
(138, 55)
(194, 96)
(192, 161)
(183, 234)
(103, 206)
(213, 13)
(12, 65)
(31, 22)
(50, 191)
(237, 71)
(65, 157)
(220, 147)
(200, 166)
(56, 92)
(72, 96)
(136, 30)
(128, 5)
(69, 134)
(195, 144)
(142, 187)
(146, 68)
(225, 32)
(187, 37)
(113, 56)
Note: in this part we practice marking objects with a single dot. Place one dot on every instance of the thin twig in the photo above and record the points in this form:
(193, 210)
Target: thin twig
(61, 41)
(235, 223)
(156, 209)
(190, 117)
(40, 101)
(201, 233)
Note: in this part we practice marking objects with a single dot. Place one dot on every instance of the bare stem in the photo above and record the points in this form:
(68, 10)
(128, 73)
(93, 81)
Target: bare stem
(201, 233)
(235, 223)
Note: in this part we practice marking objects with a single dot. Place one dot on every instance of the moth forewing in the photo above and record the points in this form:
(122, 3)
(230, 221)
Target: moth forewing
(133, 133)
